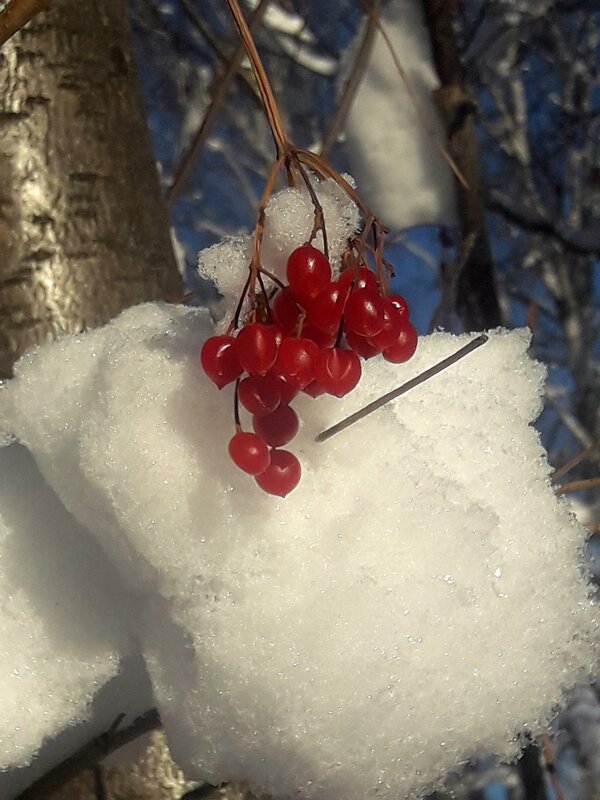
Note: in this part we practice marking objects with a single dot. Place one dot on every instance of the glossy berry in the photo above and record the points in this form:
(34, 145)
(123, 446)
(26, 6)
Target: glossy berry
(220, 361)
(256, 347)
(393, 324)
(358, 278)
(259, 394)
(400, 303)
(325, 310)
(338, 371)
(314, 389)
(308, 272)
(319, 337)
(249, 452)
(295, 361)
(288, 392)
(404, 347)
(277, 428)
(362, 347)
(286, 311)
(282, 475)
(364, 312)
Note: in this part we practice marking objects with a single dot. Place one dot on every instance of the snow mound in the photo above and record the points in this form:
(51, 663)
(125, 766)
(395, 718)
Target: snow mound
(63, 632)
(418, 597)
(400, 169)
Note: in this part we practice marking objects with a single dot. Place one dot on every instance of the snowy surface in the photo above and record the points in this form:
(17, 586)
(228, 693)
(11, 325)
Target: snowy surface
(61, 616)
(417, 598)
(400, 170)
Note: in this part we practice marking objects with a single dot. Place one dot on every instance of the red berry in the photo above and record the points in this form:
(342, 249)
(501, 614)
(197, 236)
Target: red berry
(288, 392)
(361, 346)
(308, 272)
(249, 452)
(404, 347)
(286, 311)
(364, 312)
(394, 322)
(320, 338)
(256, 347)
(295, 361)
(400, 303)
(314, 389)
(325, 310)
(220, 361)
(358, 278)
(282, 475)
(338, 371)
(277, 428)
(259, 394)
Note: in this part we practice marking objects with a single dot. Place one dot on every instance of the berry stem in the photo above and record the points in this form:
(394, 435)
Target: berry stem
(264, 87)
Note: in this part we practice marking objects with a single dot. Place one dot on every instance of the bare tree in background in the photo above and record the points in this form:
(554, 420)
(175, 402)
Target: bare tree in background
(83, 230)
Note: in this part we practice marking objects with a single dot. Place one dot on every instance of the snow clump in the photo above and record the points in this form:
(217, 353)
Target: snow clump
(417, 598)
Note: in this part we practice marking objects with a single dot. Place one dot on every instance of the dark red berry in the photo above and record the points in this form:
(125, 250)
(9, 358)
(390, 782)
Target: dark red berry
(400, 303)
(364, 312)
(282, 475)
(404, 347)
(319, 337)
(358, 278)
(394, 322)
(256, 347)
(259, 394)
(361, 346)
(286, 311)
(325, 310)
(295, 361)
(338, 371)
(277, 428)
(220, 361)
(308, 272)
(288, 392)
(249, 452)
(314, 389)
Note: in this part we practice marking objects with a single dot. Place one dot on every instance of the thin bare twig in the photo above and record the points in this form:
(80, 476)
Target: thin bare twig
(418, 379)
(89, 755)
(573, 462)
(17, 14)
(374, 14)
(184, 168)
(336, 122)
(576, 486)
(548, 756)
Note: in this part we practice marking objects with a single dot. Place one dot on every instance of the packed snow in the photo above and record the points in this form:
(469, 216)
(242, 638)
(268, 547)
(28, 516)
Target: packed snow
(395, 156)
(418, 597)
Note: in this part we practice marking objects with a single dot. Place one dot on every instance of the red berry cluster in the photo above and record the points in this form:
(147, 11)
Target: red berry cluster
(313, 333)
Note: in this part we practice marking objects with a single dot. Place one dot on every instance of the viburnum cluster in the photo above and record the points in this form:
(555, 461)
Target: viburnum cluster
(307, 336)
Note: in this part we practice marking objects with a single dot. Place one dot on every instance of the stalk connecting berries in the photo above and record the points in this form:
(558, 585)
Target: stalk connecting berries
(307, 336)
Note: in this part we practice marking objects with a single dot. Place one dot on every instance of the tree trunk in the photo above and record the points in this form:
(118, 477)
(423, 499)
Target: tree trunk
(83, 230)
(471, 289)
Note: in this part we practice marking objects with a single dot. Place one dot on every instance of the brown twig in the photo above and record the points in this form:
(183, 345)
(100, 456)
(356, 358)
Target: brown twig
(548, 756)
(576, 486)
(183, 170)
(418, 379)
(264, 86)
(89, 755)
(374, 15)
(336, 122)
(573, 462)
(17, 14)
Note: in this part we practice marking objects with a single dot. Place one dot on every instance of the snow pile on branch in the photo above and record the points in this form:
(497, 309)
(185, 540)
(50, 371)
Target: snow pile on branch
(289, 218)
(395, 156)
(417, 597)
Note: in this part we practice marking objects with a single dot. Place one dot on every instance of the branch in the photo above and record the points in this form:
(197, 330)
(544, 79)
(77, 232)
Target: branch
(184, 168)
(17, 14)
(582, 243)
(88, 755)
